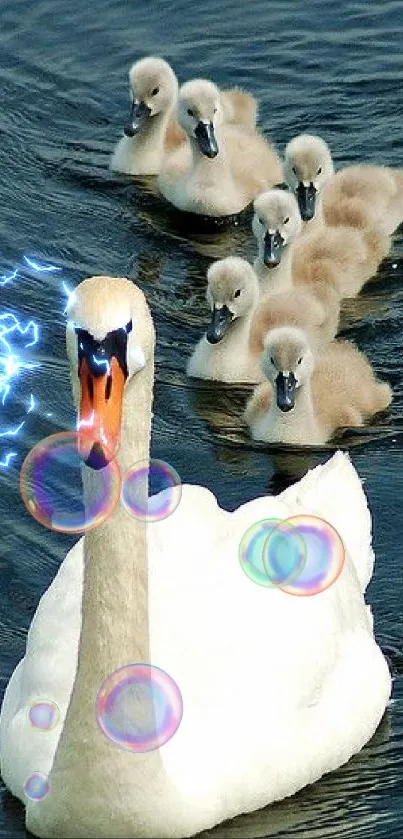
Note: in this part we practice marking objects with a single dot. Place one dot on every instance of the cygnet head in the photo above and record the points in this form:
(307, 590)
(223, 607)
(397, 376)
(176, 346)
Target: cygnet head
(154, 90)
(276, 223)
(287, 362)
(199, 112)
(308, 166)
(110, 338)
(232, 293)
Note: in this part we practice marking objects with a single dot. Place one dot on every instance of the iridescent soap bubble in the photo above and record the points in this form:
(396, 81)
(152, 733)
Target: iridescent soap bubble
(251, 557)
(37, 786)
(139, 707)
(44, 715)
(324, 554)
(151, 490)
(51, 485)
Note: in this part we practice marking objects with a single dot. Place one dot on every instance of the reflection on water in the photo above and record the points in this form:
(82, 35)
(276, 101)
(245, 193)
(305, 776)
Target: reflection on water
(315, 67)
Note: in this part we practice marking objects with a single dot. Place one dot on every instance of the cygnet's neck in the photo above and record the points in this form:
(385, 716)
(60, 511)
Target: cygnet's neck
(149, 142)
(295, 426)
(207, 169)
(275, 279)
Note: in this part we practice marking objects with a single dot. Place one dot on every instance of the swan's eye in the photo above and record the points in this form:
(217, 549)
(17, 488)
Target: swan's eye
(294, 170)
(286, 220)
(260, 220)
(238, 292)
(155, 91)
(272, 359)
(319, 170)
(299, 360)
(190, 112)
(215, 110)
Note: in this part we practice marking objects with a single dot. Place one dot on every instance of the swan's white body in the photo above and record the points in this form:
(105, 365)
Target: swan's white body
(277, 689)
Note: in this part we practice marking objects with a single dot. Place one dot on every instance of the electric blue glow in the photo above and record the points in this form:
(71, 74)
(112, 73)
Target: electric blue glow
(4, 464)
(86, 423)
(12, 432)
(100, 361)
(12, 364)
(69, 294)
(41, 269)
(8, 279)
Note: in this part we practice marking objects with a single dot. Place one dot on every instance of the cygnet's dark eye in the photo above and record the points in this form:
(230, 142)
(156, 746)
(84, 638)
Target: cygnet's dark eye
(155, 91)
(294, 170)
(237, 292)
(286, 220)
(215, 110)
(299, 360)
(319, 170)
(190, 112)
(260, 220)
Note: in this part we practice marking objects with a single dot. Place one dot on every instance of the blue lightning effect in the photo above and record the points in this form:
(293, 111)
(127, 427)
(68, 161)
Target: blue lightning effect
(4, 464)
(15, 338)
(100, 361)
(41, 269)
(8, 279)
(12, 361)
(69, 294)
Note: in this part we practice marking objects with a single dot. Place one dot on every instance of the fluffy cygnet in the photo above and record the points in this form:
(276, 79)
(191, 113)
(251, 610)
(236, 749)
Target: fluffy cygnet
(308, 165)
(223, 353)
(276, 224)
(224, 166)
(363, 196)
(301, 309)
(322, 256)
(151, 130)
(306, 398)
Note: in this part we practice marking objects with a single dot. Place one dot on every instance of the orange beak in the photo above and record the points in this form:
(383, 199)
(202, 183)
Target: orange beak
(100, 413)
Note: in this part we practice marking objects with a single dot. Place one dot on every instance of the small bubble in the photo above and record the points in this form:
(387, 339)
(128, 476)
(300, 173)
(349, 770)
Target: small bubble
(51, 484)
(44, 715)
(251, 556)
(324, 554)
(139, 707)
(151, 490)
(36, 787)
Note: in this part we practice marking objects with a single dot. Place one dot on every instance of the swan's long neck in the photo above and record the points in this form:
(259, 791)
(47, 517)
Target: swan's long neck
(89, 773)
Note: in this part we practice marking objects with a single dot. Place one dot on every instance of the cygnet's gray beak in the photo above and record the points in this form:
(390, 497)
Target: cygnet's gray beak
(140, 114)
(285, 391)
(306, 196)
(273, 249)
(206, 139)
(219, 325)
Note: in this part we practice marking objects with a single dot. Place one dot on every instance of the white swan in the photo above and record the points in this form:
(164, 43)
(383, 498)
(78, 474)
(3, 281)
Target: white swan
(265, 677)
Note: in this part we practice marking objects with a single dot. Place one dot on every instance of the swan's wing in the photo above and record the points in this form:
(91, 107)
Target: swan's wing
(45, 673)
(334, 492)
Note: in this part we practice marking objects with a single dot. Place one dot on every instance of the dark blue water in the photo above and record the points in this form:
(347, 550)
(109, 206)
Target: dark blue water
(321, 66)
